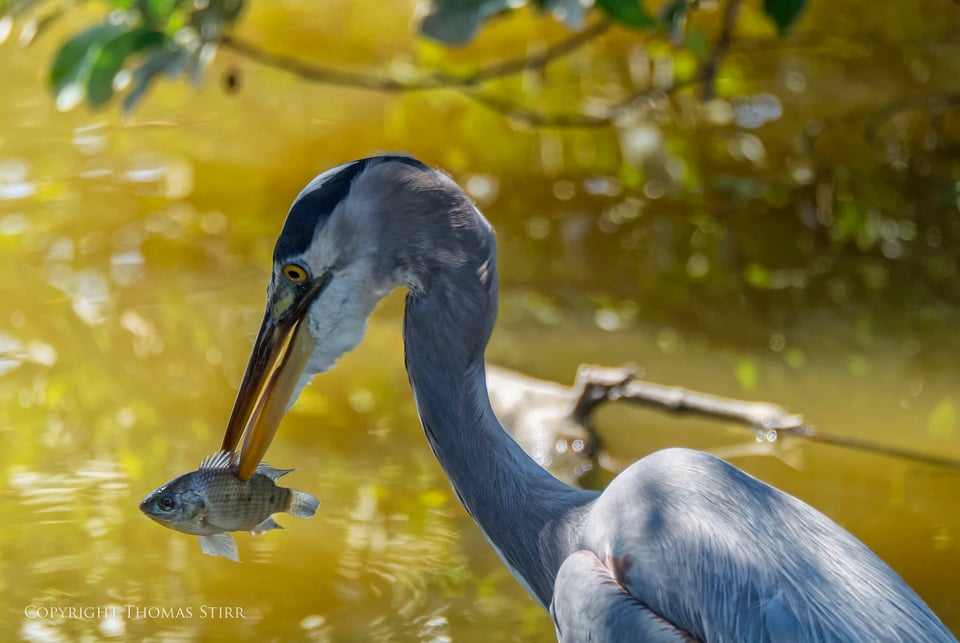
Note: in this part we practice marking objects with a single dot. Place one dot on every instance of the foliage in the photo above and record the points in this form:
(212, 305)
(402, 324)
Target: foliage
(454, 22)
(787, 191)
(137, 42)
(784, 12)
(141, 40)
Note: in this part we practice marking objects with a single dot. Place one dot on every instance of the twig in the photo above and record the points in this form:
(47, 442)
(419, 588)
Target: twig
(530, 63)
(435, 80)
(883, 115)
(858, 444)
(708, 72)
(468, 84)
(320, 74)
(535, 117)
(538, 118)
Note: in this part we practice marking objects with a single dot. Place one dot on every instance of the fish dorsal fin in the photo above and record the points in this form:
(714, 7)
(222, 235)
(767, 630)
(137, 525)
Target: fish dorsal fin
(218, 460)
(270, 472)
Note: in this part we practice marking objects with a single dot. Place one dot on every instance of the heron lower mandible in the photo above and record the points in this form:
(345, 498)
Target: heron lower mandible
(680, 546)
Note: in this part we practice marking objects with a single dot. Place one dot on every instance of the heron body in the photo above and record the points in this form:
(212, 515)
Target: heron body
(680, 546)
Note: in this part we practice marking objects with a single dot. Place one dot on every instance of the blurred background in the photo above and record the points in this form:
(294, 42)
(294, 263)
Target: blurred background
(751, 213)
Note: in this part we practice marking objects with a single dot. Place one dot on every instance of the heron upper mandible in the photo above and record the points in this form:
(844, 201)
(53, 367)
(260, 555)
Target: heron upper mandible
(680, 546)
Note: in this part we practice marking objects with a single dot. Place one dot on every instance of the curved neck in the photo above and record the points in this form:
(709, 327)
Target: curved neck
(531, 518)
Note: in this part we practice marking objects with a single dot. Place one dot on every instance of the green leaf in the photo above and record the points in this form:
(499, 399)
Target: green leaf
(674, 16)
(111, 57)
(628, 12)
(73, 60)
(455, 22)
(784, 12)
(160, 61)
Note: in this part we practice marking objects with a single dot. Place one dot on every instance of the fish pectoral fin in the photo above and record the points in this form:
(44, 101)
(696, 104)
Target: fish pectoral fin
(265, 526)
(221, 544)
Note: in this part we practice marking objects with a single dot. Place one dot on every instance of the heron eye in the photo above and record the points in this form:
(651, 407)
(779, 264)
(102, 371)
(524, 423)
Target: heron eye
(296, 274)
(166, 503)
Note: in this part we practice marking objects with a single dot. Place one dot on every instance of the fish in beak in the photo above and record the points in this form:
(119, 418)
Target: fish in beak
(280, 354)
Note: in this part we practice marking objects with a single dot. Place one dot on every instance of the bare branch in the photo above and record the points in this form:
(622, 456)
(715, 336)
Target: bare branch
(530, 63)
(602, 383)
(932, 104)
(318, 73)
(435, 80)
(709, 69)
(858, 444)
(469, 83)
(537, 118)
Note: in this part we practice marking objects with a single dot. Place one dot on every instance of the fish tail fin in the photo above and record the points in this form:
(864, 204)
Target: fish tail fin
(302, 504)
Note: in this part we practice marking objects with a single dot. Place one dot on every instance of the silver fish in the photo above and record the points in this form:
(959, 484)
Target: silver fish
(212, 501)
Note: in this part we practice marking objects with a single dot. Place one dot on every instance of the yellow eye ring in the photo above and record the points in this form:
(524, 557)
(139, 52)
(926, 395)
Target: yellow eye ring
(296, 274)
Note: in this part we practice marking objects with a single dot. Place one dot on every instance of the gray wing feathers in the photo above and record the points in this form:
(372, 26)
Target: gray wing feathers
(590, 605)
(726, 557)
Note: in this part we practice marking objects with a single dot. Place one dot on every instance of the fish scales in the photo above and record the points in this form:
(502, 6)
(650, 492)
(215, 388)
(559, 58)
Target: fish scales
(212, 501)
(236, 505)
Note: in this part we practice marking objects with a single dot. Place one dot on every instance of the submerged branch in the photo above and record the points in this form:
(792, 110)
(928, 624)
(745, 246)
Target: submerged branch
(596, 384)
(554, 423)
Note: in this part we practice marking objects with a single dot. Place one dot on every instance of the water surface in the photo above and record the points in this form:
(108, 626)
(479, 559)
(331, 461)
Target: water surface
(133, 263)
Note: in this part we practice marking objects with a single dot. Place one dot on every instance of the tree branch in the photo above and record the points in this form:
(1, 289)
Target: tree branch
(530, 63)
(539, 118)
(710, 67)
(435, 80)
(318, 73)
(468, 84)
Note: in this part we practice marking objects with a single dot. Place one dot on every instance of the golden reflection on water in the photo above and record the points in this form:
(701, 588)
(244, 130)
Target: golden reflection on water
(134, 261)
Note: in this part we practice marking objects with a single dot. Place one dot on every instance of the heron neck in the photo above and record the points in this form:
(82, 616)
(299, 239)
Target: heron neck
(531, 518)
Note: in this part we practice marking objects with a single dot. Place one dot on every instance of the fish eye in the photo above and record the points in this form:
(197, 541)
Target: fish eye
(166, 503)
(295, 273)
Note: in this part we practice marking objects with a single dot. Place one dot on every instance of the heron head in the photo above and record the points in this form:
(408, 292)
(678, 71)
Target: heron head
(351, 236)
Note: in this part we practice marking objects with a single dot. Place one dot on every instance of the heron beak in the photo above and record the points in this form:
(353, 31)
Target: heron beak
(280, 354)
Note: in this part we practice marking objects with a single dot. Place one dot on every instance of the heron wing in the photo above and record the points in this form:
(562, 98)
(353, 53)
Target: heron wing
(590, 605)
(726, 557)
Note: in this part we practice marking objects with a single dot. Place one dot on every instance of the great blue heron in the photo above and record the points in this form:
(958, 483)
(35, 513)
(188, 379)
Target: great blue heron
(680, 546)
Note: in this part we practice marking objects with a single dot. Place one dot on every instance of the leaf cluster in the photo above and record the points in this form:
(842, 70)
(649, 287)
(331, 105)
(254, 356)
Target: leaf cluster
(140, 41)
(455, 22)
(136, 43)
